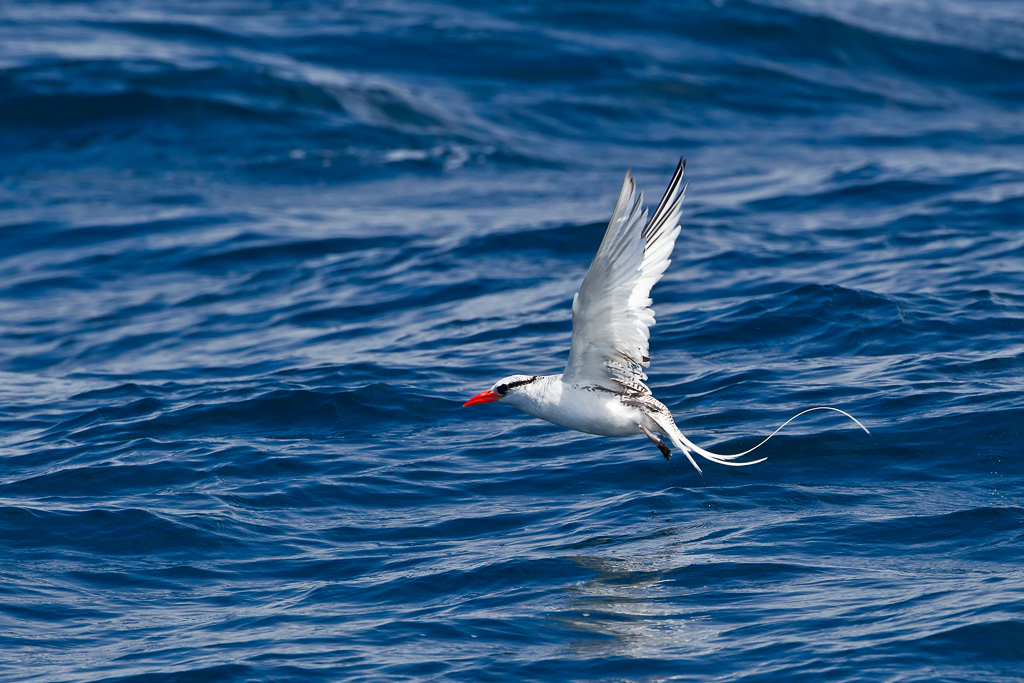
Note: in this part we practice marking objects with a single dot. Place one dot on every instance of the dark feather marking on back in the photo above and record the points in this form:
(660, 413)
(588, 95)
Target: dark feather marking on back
(646, 402)
(635, 394)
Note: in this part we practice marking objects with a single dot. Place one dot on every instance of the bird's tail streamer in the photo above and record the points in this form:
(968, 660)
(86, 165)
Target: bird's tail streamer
(686, 445)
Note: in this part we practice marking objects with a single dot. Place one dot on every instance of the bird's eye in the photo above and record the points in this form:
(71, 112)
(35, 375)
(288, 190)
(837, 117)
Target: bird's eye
(502, 389)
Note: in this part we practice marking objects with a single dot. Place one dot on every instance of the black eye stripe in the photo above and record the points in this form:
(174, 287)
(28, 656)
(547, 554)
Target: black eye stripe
(512, 385)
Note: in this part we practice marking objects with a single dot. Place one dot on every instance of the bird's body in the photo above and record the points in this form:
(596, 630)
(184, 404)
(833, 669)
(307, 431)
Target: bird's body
(602, 390)
(591, 409)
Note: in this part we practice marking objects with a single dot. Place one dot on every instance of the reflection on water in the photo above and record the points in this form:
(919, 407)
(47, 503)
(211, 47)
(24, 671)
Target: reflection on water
(635, 611)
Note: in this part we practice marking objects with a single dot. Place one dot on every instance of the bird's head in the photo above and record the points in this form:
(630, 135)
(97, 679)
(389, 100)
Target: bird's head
(509, 387)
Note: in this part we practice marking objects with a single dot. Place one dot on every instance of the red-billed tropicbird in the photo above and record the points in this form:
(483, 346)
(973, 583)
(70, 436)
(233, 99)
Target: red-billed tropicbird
(602, 389)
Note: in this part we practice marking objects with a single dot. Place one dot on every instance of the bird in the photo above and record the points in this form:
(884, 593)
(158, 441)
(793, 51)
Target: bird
(602, 389)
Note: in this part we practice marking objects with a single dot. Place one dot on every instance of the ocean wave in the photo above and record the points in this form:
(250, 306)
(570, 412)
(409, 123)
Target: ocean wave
(255, 257)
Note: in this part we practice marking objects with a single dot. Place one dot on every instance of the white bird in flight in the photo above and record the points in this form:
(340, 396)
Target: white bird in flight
(602, 389)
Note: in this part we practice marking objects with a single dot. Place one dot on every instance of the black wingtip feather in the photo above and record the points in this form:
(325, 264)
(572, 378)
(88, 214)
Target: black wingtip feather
(665, 207)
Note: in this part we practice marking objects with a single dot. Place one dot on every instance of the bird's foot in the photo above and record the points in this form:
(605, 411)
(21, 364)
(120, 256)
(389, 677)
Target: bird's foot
(657, 441)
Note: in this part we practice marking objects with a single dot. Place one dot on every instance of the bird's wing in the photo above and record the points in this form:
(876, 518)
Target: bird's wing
(611, 313)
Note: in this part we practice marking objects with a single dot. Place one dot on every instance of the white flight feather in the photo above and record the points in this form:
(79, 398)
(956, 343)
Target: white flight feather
(611, 313)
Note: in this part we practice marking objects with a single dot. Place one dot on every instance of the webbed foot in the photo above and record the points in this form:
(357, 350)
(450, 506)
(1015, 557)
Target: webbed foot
(657, 441)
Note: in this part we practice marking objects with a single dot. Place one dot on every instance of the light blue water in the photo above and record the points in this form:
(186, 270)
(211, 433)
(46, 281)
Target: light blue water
(254, 256)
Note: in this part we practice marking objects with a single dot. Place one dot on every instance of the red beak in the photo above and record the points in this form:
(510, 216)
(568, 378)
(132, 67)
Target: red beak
(483, 397)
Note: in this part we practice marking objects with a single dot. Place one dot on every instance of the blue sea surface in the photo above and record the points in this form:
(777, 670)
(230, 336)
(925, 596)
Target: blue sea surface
(254, 255)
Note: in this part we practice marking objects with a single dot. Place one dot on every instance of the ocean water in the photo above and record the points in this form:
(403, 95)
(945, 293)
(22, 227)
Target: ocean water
(255, 255)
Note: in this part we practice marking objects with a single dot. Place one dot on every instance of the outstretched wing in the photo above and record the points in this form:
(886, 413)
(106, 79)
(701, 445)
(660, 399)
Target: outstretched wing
(611, 313)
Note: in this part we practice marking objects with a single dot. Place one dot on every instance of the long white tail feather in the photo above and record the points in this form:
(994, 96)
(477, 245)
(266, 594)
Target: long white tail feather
(689, 457)
(681, 442)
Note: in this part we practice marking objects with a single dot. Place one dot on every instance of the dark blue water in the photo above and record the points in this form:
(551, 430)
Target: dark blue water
(254, 256)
